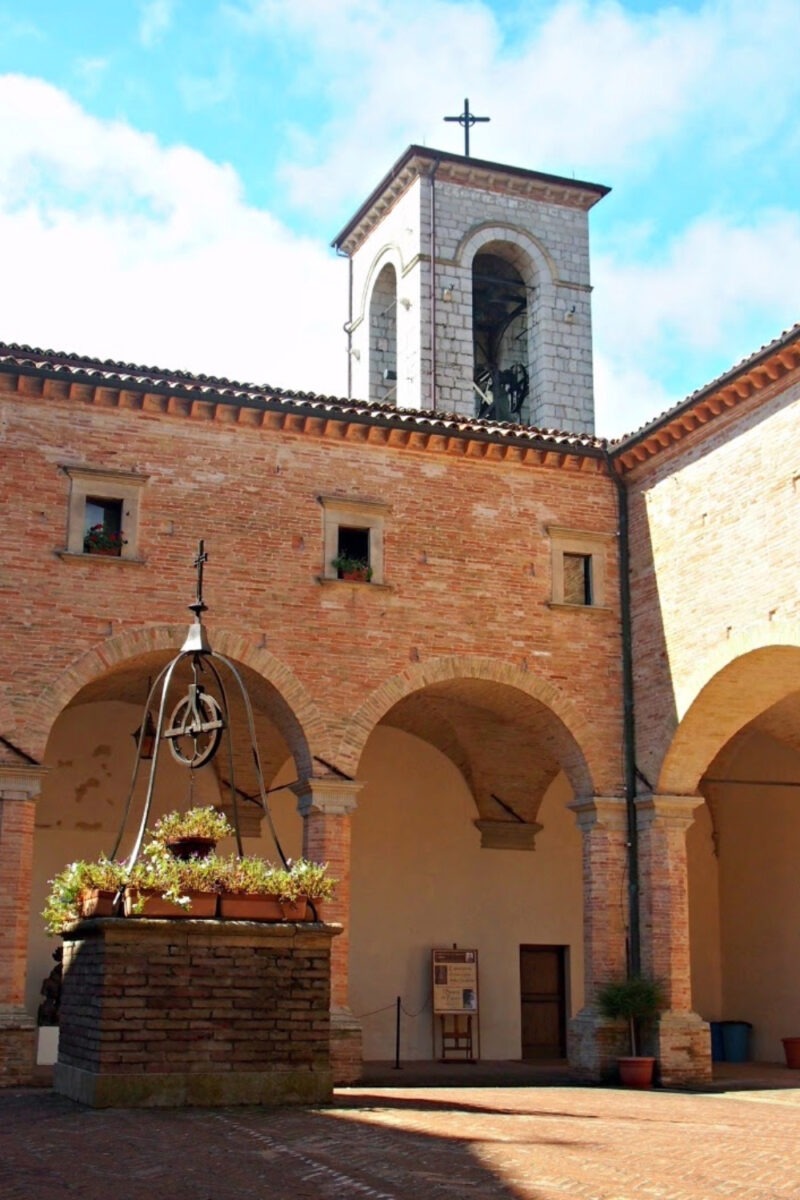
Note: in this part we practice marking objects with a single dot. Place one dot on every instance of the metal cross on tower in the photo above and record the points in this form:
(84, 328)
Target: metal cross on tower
(467, 119)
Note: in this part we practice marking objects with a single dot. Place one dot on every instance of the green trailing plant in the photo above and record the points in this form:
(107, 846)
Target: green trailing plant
(346, 565)
(63, 906)
(635, 999)
(313, 880)
(195, 823)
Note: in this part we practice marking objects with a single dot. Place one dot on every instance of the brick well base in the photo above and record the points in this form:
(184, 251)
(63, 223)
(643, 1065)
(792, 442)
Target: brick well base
(186, 1012)
(17, 1047)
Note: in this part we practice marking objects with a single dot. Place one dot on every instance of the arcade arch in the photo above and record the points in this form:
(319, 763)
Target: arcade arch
(738, 746)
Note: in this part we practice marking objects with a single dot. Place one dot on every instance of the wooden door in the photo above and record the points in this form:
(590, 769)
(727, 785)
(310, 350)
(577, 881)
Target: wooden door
(543, 1000)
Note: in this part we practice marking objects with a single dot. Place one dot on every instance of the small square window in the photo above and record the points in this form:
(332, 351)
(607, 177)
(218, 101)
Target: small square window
(577, 578)
(102, 529)
(579, 562)
(352, 539)
(103, 516)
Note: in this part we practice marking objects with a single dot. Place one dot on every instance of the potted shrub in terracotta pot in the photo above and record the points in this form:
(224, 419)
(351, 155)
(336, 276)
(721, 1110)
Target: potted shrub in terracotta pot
(638, 1001)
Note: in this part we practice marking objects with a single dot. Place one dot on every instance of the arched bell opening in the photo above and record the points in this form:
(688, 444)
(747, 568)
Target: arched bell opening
(501, 332)
(383, 337)
(463, 835)
(91, 753)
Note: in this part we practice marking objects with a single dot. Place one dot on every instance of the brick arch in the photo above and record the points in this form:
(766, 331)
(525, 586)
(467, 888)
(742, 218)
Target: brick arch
(302, 725)
(473, 667)
(739, 681)
(527, 247)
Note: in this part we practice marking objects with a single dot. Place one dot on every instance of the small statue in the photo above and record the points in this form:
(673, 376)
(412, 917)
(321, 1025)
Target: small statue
(51, 992)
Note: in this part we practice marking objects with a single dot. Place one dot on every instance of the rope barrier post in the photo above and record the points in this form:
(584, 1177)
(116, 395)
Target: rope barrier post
(397, 1038)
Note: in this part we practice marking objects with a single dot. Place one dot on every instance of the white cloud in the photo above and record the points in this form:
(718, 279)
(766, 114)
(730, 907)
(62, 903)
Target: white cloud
(696, 301)
(122, 248)
(154, 21)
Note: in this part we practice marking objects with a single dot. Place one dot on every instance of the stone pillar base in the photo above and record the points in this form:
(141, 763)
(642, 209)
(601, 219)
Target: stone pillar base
(347, 1055)
(682, 1045)
(594, 1044)
(17, 1048)
(179, 1089)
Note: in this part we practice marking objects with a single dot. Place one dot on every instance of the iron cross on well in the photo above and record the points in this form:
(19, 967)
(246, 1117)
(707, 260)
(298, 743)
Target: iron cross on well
(202, 557)
(467, 119)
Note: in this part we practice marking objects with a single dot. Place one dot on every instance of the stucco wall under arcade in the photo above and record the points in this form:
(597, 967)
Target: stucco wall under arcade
(421, 880)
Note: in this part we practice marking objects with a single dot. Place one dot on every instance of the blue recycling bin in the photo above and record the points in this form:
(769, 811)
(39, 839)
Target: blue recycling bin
(736, 1041)
(717, 1046)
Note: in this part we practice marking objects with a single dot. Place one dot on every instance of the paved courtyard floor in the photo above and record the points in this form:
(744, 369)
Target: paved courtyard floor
(551, 1142)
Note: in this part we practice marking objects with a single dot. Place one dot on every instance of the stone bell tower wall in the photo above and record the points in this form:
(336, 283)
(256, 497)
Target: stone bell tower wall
(429, 220)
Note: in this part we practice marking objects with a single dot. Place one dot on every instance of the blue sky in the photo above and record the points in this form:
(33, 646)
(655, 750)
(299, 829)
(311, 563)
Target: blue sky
(172, 171)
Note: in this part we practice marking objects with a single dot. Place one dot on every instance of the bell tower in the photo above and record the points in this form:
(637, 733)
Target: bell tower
(470, 292)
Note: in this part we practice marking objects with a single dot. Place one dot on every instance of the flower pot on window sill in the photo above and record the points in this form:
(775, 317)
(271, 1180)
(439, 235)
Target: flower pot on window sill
(103, 552)
(359, 576)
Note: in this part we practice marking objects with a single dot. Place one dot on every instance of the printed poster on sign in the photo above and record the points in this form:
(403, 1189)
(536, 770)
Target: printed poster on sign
(455, 981)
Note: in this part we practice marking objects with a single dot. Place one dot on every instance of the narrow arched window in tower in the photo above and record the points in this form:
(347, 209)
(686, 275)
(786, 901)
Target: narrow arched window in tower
(383, 337)
(500, 337)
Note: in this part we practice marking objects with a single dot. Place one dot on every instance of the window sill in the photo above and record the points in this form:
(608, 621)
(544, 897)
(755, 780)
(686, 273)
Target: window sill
(69, 556)
(325, 580)
(595, 608)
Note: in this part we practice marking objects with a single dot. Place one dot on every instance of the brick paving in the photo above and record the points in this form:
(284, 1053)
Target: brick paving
(405, 1143)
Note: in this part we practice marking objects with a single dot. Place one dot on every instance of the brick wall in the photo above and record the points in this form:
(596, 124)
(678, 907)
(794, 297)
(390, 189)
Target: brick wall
(162, 1012)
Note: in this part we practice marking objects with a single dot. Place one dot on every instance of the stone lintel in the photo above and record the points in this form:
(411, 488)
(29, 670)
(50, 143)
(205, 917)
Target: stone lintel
(332, 796)
(21, 782)
(508, 835)
(610, 812)
(671, 810)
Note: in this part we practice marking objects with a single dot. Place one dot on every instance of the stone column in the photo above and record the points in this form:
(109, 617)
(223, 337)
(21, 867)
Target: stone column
(326, 805)
(682, 1042)
(602, 820)
(19, 787)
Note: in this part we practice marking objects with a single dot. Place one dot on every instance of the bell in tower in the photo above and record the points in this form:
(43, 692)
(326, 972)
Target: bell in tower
(470, 292)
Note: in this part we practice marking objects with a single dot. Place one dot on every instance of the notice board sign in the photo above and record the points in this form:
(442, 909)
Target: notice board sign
(455, 981)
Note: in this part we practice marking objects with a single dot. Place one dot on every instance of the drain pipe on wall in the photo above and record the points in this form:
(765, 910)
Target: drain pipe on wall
(432, 177)
(628, 722)
(348, 325)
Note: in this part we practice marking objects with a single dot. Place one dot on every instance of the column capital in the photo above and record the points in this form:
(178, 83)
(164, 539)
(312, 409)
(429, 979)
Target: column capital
(22, 782)
(608, 812)
(332, 796)
(677, 811)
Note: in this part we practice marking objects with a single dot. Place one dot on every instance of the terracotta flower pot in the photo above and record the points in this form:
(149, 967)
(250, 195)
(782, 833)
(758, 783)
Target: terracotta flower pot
(244, 906)
(202, 904)
(97, 902)
(636, 1072)
(791, 1048)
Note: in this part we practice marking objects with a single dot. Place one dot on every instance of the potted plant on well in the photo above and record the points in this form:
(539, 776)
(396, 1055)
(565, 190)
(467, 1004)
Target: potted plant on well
(83, 889)
(161, 885)
(357, 570)
(191, 834)
(99, 540)
(253, 889)
(637, 1000)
